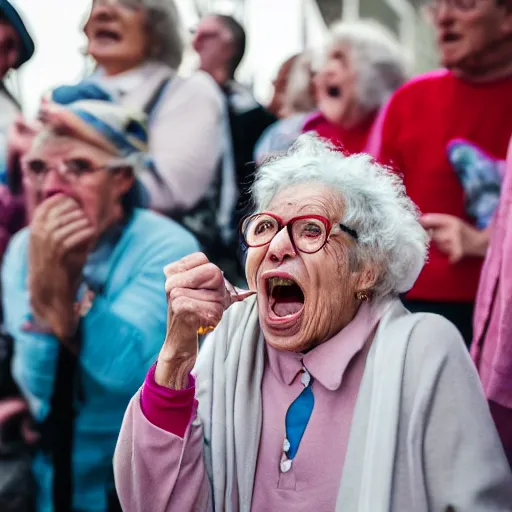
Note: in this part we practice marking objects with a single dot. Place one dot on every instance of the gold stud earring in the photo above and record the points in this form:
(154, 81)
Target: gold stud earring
(363, 296)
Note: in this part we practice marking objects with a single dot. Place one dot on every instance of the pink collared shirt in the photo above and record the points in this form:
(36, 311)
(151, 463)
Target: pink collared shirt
(337, 368)
(492, 342)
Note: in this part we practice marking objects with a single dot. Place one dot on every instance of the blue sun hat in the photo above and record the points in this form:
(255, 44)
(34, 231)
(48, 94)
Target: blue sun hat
(116, 129)
(9, 14)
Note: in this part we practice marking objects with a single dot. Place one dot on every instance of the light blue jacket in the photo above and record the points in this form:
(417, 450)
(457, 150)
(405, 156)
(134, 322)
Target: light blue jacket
(122, 335)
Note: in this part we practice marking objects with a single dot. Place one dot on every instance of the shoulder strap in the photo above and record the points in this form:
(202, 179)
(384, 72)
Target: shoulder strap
(57, 431)
(156, 96)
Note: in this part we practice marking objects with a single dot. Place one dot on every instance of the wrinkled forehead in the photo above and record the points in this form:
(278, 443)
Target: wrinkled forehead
(132, 4)
(338, 48)
(213, 26)
(48, 146)
(305, 199)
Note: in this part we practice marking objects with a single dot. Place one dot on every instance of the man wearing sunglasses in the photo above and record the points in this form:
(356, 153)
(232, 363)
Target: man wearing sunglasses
(470, 99)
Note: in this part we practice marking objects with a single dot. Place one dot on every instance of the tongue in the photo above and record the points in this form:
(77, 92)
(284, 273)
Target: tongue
(286, 307)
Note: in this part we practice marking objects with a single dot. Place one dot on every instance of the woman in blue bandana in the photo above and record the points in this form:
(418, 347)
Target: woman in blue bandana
(83, 294)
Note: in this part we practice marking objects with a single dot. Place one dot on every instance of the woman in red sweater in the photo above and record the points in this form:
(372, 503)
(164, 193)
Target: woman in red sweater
(364, 65)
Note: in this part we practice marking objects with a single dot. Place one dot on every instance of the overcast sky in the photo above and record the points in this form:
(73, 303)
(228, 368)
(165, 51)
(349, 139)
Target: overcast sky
(274, 26)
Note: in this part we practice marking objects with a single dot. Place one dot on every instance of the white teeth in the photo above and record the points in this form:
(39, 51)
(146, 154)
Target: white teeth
(278, 281)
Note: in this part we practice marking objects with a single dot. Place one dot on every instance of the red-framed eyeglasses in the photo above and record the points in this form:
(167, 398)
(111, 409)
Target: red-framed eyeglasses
(308, 233)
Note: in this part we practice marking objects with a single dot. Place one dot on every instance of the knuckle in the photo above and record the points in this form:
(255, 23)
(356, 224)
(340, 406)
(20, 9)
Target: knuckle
(215, 313)
(214, 275)
(174, 293)
(200, 257)
(168, 269)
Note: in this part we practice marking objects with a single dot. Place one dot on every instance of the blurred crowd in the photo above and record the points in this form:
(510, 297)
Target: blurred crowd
(136, 166)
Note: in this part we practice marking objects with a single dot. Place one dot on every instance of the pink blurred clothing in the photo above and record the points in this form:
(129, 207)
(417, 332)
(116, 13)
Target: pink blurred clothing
(492, 343)
(12, 216)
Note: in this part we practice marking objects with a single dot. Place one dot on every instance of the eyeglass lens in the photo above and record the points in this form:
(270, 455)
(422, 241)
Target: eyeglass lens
(73, 168)
(309, 235)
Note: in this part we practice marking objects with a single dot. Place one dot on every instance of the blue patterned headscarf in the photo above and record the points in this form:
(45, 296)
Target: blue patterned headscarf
(88, 113)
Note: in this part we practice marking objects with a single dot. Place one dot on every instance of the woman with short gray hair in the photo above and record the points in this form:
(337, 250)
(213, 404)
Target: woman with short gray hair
(138, 47)
(364, 65)
(316, 390)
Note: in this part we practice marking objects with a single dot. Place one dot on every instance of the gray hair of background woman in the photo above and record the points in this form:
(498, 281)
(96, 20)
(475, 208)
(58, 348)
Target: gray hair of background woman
(376, 206)
(165, 31)
(378, 59)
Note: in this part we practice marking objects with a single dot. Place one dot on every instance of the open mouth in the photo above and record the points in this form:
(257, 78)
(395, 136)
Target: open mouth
(286, 297)
(450, 37)
(333, 91)
(107, 36)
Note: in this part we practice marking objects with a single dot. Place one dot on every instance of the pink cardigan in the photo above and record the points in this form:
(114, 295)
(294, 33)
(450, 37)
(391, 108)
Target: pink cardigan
(492, 343)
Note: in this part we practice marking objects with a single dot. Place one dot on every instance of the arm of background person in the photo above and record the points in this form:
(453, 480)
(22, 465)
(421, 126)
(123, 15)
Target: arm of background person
(455, 237)
(185, 143)
(35, 353)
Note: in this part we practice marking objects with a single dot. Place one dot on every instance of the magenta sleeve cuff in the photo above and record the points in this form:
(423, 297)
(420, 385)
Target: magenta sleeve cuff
(168, 409)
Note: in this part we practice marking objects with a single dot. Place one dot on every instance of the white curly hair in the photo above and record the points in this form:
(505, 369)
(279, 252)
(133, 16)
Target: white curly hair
(390, 237)
(380, 62)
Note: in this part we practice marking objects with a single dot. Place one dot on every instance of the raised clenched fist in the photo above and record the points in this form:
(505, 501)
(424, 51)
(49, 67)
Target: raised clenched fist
(197, 295)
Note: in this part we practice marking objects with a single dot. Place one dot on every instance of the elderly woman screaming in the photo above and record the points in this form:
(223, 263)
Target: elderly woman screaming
(317, 390)
(364, 65)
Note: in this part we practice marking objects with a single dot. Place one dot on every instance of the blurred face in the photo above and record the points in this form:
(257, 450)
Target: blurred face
(10, 47)
(336, 89)
(280, 84)
(304, 299)
(470, 33)
(117, 36)
(97, 190)
(213, 43)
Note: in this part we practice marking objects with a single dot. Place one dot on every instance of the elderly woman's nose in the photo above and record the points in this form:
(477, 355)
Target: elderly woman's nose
(281, 247)
(103, 11)
(443, 13)
(329, 67)
(323, 75)
(53, 181)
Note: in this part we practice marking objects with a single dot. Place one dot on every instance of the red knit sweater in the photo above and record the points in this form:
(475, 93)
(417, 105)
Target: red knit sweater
(349, 141)
(423, 117)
